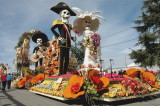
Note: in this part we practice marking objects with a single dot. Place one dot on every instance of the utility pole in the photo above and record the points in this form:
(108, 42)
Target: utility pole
(101, 63)
(111, 66)
(125, 61)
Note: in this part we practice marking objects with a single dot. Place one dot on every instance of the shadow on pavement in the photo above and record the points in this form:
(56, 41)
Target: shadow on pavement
(104, 103)
(128, 101)
(69, 102)
(12, 99)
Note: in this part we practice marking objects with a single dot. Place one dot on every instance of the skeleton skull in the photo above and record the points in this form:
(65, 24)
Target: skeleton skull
(39, 41)
(65, 14)
(87, 23)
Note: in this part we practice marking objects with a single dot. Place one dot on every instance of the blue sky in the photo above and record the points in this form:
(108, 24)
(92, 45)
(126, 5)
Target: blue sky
(18, 16)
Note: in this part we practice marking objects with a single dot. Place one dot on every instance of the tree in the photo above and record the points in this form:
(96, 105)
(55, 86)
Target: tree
(148, 27)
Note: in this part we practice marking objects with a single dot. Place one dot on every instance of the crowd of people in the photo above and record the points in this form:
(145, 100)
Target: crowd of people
(5, 81)
(120, 72)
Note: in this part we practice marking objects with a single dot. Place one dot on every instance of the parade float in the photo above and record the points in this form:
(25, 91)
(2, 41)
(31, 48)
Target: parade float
(27, 77)
(86, 81)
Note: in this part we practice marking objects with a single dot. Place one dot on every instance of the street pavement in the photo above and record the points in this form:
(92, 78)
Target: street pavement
(23, 97)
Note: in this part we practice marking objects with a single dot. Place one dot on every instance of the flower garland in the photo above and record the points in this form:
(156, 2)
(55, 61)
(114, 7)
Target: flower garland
(25, 35)
(93, 43)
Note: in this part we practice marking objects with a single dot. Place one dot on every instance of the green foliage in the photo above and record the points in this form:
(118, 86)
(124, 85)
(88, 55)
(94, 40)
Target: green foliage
(3, 66)
(72, 64)
(78, 52)
(148, 27)
(158, 75)
(90, 88)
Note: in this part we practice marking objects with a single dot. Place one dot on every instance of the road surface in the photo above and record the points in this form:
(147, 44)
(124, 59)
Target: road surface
(23, 97)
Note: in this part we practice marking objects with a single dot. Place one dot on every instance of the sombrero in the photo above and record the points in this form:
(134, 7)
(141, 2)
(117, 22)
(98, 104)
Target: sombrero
(94, 76)
(149, 77)
(72, 90)
(132, 72)
(62, 6)
(41, 35)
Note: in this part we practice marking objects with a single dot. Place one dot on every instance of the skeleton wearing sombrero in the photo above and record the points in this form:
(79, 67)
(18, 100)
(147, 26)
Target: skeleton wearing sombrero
(64, 36)
(86, 24)
(41, 39)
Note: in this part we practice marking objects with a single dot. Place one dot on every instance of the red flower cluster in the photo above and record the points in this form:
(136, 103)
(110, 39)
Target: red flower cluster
(75, 88)
(97, 82)
(150, 82)
(40, 79)
(74, 72)
(132, 83)
(25, 33)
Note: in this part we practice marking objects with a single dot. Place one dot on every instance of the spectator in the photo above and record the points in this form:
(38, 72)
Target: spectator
(3, 78)
(120, 72)
(14, 78)
(9, 79)
(124, 72)
(0, 83)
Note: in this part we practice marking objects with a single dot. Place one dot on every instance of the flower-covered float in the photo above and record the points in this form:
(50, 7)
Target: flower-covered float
(88, 82)
(98, 86)
(22, 62)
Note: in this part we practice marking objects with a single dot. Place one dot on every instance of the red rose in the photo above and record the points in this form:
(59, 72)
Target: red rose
(23, 82)
(76, 32)
(97, 82)
(75, 88)
(40, 79)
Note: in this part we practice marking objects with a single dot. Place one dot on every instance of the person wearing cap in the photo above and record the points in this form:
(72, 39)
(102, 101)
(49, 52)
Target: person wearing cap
(41, 39)
(63, 35)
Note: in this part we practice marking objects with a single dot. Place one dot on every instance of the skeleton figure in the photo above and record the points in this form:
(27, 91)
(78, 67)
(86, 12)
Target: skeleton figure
(64, 37)
(65, 15)
(40, 39)
(36, 49)
(86, 24)
(91, 55)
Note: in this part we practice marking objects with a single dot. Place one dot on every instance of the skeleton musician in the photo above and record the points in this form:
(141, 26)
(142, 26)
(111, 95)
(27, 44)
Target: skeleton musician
(64, 36)
(41, 39)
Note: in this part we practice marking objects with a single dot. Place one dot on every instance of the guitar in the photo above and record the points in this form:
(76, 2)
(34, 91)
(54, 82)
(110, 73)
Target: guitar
(40, 55)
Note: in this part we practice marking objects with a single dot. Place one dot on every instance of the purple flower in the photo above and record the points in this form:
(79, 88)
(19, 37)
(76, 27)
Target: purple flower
(96, 39)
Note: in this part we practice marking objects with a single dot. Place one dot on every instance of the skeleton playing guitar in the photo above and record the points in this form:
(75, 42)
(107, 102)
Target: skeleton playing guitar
(34, 58)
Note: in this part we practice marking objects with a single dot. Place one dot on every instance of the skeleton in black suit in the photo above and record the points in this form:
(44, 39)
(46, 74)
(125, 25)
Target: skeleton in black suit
(64, 36)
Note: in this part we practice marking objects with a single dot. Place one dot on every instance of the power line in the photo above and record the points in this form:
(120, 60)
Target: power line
(119, 43)
(116, 33)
